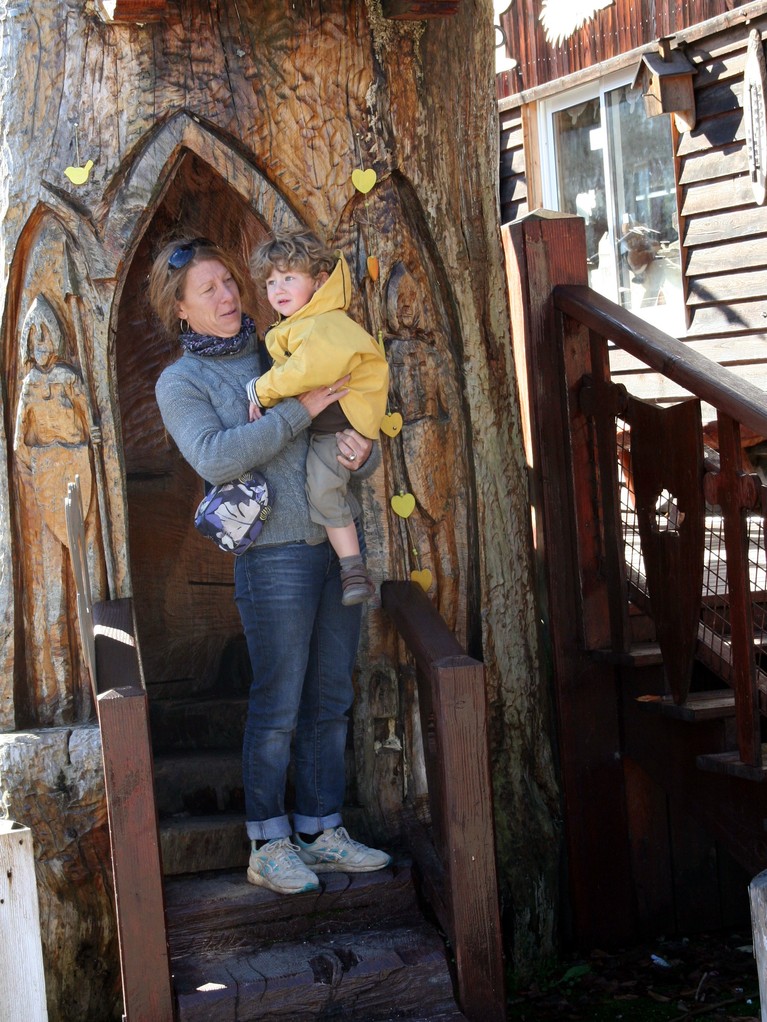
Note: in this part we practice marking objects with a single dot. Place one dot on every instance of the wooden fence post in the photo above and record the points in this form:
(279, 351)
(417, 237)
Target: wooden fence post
(128, 778)
(458, 860)
(22, 990)
(554, 356)
(108, 636)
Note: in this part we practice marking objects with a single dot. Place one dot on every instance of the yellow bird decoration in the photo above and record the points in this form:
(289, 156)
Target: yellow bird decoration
(79, 175)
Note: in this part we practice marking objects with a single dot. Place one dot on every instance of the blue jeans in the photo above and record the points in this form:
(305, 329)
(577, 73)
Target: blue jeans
(302, 643)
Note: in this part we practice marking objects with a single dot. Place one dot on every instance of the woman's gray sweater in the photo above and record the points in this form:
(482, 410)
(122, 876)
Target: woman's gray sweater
(204, 407)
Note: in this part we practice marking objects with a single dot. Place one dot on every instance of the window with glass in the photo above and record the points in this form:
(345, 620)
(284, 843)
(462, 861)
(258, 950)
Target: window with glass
(611, 164)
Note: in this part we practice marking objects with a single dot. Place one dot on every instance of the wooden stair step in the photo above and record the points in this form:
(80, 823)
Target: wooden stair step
(196, 844)
(731, 764)
(200, 783)
(697, 706)
(197, 722)
(362, 976)
(219, 912)
(641, 654)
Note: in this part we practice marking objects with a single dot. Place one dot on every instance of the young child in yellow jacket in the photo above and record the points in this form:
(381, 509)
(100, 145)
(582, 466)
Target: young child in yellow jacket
(315, 344)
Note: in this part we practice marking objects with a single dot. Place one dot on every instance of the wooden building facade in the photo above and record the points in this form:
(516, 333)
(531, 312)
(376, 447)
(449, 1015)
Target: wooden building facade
(673, 201)
(647, 122)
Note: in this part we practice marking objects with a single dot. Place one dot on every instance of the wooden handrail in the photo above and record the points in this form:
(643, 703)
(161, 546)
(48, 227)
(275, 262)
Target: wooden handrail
(562, 332)
(674, 359)
(737, 403)
(458, 859)
(108, 636)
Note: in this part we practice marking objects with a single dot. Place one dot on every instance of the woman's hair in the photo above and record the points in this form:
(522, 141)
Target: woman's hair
(291, 250)
(167, 278)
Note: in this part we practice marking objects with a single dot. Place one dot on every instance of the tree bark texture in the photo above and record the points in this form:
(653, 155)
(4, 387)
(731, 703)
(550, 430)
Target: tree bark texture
(230, 119)
(53, 780)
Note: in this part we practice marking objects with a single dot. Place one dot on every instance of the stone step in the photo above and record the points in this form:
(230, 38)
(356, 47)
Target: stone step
(360, 975)
(199, 722)
(199, 783)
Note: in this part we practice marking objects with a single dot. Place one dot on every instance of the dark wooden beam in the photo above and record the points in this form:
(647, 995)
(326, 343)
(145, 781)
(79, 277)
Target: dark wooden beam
(419, 10)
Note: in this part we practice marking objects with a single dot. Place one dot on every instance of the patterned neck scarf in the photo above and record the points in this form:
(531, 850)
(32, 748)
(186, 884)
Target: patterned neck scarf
(206, 344)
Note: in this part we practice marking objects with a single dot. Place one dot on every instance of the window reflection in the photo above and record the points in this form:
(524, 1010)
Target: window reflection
(615, 169)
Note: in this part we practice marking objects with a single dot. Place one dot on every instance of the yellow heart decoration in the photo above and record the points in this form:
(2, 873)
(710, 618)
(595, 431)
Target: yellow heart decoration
(403, 504)
(423, 578)
(363, 180)
(392, 423)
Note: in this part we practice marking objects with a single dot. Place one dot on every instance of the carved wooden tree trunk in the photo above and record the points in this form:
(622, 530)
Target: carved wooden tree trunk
(228, 119)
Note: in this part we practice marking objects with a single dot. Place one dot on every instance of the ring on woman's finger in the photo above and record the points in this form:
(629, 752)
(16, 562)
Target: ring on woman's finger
(330, 390)
(351, 457)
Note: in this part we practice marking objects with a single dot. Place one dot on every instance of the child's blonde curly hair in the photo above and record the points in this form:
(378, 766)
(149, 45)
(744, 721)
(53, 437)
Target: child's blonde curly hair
(291, 250)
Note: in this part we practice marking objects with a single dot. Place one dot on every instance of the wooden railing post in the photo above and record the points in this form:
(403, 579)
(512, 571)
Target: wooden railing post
(128, 778)
(544, 250)
(107, 633)
(453, 707)
(734, 491)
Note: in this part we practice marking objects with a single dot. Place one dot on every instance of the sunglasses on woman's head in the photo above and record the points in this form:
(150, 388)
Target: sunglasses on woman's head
(180, 256)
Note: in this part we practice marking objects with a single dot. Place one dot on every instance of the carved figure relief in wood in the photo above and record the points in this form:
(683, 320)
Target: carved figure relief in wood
(50, 445)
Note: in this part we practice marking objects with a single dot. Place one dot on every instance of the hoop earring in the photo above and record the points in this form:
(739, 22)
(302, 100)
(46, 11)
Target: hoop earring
(181, 328)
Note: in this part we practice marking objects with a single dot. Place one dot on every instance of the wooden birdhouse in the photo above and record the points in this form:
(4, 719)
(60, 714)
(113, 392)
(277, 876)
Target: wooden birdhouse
(665, 77)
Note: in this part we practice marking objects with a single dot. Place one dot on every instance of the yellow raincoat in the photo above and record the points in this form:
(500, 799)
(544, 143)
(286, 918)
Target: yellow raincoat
(318, 345)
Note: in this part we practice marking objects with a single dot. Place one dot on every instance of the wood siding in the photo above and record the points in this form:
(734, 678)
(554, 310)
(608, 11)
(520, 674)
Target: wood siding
(723, 230)
(513, 176)
(615, 30)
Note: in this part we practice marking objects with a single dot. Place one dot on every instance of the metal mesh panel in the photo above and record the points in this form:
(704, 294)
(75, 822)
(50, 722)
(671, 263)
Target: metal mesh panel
(634, 564)
(714, 633)
(714, 628)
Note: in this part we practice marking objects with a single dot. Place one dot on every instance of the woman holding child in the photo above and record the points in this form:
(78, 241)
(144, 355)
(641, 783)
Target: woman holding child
(302, 639)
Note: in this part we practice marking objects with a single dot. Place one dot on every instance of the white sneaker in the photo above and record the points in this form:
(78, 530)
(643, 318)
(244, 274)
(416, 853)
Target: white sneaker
(277, 865)
(334, 851)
